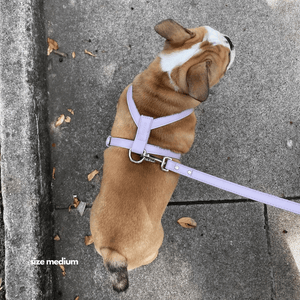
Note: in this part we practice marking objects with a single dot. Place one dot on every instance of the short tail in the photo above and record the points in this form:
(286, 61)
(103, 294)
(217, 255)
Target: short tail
(116, 264)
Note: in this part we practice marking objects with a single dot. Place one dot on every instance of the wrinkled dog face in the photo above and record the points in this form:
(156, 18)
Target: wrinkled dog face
(216, 38)
(189, 53)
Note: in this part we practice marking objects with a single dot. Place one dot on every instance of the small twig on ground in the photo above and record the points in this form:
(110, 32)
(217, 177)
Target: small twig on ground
(60, 53)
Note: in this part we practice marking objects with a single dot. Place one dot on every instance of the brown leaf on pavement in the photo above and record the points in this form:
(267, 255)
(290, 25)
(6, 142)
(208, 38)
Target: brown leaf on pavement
(53, 173)
(74, 55)
(67, 119)
(75, 202)
(89, 53)
(63, 270)
(92, 175)
(57, 238)
(60, 120)
(187, 222)
(52, 45)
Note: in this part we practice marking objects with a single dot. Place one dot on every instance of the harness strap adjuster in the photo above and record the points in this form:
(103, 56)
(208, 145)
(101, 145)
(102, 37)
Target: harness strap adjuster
(164, 163)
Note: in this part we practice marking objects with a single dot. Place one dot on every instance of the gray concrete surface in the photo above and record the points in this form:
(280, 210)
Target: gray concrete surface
(221, 258)
(244, 134)
(2, 247)
(247, 132)
(25, 150)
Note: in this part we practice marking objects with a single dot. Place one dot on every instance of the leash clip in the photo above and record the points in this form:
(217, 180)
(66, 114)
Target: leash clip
(150, 158)
(154, 159)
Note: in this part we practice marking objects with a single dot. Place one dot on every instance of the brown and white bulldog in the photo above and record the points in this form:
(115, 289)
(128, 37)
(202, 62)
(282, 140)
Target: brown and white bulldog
(126, 215)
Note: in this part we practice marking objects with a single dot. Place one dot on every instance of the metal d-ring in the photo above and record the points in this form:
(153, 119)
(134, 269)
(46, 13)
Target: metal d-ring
(137, 161)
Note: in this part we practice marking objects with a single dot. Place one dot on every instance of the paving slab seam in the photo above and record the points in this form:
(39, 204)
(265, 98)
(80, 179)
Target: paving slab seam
(201, 202)
(179, 203)
(209, 202)
(268, 238)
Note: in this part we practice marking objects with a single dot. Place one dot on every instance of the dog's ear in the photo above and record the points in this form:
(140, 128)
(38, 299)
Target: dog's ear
(197, 81)
(173, 32)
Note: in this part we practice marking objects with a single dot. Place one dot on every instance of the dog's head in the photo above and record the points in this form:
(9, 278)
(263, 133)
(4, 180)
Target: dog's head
(195, 59)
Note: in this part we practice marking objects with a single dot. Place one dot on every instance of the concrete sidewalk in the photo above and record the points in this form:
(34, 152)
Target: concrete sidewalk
(247, 132)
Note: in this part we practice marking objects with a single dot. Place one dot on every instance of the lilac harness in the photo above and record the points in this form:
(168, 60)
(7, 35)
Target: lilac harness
(139, 145)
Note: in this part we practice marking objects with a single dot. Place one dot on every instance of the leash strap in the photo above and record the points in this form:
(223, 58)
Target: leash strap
(139, 145)
(233, 187)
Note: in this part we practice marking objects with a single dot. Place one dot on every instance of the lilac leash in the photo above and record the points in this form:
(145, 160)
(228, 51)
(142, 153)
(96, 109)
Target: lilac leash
(233, 187)
(140, 146)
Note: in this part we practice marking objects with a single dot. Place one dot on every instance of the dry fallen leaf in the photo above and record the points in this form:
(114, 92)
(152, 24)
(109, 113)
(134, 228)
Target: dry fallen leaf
(77, 298)
(63, 270)
(67, 119)
(53, 173)
(71, 111)
(187, 222)
(74, 55)
(75, 202)
(52, 45)
(79, 205)
(60, 120)
(89, 53)
(88, 240)
(92, 175)
(57, 238)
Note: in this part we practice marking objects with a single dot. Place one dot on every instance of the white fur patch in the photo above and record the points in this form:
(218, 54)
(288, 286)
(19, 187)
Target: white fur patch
(215, 37)
(178, 58)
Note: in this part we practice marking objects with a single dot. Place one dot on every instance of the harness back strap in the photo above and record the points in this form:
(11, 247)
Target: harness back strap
(144, 126)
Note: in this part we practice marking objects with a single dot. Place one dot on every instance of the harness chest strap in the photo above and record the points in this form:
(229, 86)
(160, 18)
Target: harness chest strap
(140, 146)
